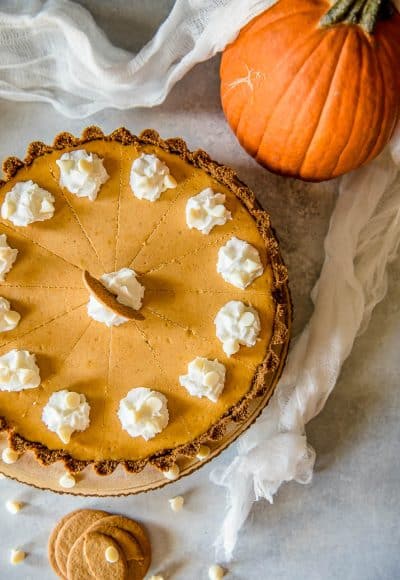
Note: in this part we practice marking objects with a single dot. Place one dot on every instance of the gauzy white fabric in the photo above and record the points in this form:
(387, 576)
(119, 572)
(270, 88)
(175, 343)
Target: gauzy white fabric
(54, 52)
(363, 237)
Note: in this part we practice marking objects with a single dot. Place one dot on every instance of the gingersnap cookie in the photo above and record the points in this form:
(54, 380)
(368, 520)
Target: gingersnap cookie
(138, 560)
(126, 541)
(104, 557)
(74, 525)
(52, 542)
(107, 299)
(77, 565)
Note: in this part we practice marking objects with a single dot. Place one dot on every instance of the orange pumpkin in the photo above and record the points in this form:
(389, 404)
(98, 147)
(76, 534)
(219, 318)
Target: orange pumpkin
(313, 91)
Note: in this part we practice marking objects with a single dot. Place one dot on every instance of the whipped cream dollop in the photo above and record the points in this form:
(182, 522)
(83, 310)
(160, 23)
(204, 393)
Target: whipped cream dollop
(18, 371)
(26, 203)
(82, 173)
(237, 324)
(150, 177)
(239, 263)
(66, 412)
(7, 257)
(206, 210)
(143, 413)
(101, 313)
(125, 286)
(205, 378)
(8, 318)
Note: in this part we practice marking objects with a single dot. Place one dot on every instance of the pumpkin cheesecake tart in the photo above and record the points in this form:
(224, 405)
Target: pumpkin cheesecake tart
(143, 301)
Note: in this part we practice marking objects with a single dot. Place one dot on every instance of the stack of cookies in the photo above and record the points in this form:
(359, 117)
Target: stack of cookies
(89, 544)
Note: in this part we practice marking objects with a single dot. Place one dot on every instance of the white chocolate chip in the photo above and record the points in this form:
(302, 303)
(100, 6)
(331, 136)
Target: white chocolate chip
(12, 317)
(250, 266)
(14, 506)
(170, 181)
(203, 452)
(247, 319)
(176, 503)
(172, 473)
(156, 577)
(111, 555)
(218, 210)
(211, 379)
(215, 572)
(46, 207)
(26, 376)
(64, 433)
(66, 164)
(17, 556)
(72, 400)
(9, 456)
(67, 480)
(8, 209)
(85, 165)
(231, 346)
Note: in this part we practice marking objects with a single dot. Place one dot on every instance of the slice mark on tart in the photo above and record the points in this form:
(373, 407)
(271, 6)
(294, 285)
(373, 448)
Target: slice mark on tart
(30, 306)
(179, 192)
(101, 232)
(141, 217)
(184, 292)
(160, 251)
(38, 266)
(61, 234)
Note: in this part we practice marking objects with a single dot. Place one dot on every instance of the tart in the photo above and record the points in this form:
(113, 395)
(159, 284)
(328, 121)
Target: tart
(81, 239)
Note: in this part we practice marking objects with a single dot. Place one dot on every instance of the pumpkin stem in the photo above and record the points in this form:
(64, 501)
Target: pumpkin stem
(365, 13)
(370, 15)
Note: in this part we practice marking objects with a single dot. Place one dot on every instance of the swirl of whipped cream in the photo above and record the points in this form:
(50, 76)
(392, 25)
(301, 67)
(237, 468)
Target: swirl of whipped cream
(101, 313)
(237, 324)
(18, 371)
(143, 413)
(26, 203)
(239, 263)
(8, 318)
(82, 173)
(66, 412)
(125, 286)
(7, 257)
(150, 177)
(205, 378)
(206, 210)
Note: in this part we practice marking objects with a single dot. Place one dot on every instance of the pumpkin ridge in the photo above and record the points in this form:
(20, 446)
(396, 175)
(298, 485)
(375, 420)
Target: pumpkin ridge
(376, 146)
(302, 41)
(355, 110)
(335, 48)
(321, 113)
(292, 80)
(379, 112)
